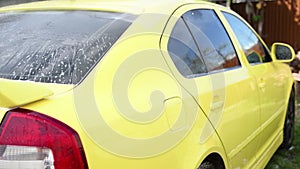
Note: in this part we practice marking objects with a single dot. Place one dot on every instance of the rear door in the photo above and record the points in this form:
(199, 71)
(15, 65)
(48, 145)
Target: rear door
(204, 61)
(270, 81)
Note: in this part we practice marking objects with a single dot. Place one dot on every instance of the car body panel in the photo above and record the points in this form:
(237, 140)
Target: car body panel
(135, 110)
(278, 79)
(223, 109)
(63, 106)
(126, 6)
(17, 93)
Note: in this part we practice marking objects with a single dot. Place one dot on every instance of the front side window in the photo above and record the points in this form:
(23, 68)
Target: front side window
(56, 46)
(212, 39)
(253, 48)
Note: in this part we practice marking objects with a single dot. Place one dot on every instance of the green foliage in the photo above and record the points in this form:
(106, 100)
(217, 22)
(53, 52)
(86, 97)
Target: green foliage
(256, 18)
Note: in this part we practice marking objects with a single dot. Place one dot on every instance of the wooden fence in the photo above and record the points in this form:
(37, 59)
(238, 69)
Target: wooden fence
(281, 21)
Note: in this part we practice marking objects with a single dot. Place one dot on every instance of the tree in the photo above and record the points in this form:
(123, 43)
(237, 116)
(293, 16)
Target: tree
(255, 14)
(255, 10)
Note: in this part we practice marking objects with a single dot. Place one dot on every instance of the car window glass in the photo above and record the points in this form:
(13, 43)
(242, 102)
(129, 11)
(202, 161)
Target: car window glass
(184, 52)
(253, 48)
(214, 43)
(56, 46)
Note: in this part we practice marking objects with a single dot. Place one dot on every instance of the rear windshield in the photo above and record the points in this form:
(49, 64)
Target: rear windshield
(56, 46)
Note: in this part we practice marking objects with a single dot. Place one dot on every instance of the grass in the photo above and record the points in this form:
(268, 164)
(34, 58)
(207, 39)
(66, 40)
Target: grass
(289, 159)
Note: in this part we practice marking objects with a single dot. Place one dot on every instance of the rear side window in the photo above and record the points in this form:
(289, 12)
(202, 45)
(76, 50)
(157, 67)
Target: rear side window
(212, 39)
(56, 46)
(253, 48)
(184, 51)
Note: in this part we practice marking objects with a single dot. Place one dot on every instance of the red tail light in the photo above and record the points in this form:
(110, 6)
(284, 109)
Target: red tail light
(34, 137)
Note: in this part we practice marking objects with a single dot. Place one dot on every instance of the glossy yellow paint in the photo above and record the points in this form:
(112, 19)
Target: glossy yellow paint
(17, 93)
(135, 110)
(73, 5)
(273, 82)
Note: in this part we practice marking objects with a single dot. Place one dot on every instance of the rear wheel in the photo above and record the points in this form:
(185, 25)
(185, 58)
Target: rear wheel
(207, 165)
(288, 133)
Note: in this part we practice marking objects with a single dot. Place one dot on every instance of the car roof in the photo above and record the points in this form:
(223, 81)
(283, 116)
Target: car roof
(127, 6)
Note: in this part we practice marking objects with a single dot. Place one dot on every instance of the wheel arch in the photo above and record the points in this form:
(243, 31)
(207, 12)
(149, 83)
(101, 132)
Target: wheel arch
(216, 159)
(216, 155)
(291, 89)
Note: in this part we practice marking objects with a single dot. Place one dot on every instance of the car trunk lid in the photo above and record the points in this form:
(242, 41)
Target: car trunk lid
(15, 93)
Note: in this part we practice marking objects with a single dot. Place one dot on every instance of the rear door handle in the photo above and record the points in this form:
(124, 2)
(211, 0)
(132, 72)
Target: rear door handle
(261, 83)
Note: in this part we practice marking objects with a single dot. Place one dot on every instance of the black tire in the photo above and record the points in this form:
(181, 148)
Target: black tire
(289, 124)
(207, 165)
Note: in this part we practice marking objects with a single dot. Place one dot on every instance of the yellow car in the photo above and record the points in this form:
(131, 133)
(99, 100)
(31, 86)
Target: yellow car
(139, 84)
